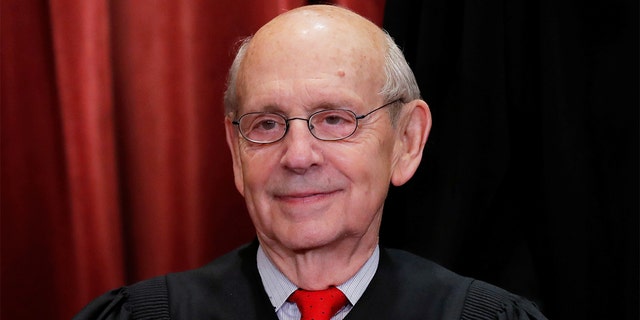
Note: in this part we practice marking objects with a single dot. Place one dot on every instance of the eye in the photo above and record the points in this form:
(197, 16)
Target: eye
(265, 124)
(334, 118)
(261, 123)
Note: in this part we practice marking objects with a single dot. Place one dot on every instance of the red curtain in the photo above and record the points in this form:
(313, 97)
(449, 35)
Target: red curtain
(114, 165)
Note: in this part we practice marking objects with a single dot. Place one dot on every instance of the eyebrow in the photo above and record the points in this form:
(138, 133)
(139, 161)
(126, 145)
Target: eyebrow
(323, 105)
(331, 106)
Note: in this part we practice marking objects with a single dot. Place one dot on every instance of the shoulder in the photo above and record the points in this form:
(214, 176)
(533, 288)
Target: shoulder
(408, 267)
(144, 300)
(444, 294)
(231, 264)
(221, 276)
(486, 301)
(149, 299)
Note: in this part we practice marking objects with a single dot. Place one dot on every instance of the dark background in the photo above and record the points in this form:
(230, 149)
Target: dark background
(530, 175)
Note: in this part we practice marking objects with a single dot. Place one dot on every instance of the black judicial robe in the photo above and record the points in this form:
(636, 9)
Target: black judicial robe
(405, 286)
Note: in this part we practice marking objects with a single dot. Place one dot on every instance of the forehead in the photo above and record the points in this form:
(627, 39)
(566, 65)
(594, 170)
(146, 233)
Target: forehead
(312, 57)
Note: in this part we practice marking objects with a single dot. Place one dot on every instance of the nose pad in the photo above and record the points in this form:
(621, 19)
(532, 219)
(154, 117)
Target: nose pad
(306, 126)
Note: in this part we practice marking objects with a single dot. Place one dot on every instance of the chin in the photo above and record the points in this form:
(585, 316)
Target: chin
(312, 239)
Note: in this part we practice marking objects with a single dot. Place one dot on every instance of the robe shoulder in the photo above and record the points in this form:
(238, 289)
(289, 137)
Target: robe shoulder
(486, 301)
(148, 299)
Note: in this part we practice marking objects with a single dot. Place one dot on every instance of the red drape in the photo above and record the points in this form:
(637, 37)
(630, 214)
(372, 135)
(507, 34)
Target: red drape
(114, 164)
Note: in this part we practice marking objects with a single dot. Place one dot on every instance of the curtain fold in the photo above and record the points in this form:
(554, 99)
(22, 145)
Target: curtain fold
(34, 227)
(81, 51)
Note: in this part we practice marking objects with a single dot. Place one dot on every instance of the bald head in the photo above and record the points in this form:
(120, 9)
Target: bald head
(325, 39)
(321, 17)
(322, 25)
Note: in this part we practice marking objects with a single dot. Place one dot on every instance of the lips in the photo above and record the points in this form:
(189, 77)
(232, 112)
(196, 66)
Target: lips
(306, 196)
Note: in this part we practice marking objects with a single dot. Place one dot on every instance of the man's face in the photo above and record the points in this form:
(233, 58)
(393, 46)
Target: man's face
(303, 193)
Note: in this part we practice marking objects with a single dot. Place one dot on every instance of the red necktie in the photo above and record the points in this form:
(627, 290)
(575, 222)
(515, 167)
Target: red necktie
(318, 305)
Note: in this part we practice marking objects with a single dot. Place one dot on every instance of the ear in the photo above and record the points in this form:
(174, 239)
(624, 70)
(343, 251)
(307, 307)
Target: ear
(413, 128)
(234, 147)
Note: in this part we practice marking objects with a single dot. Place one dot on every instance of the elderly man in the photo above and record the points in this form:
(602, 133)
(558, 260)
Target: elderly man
(323, 113)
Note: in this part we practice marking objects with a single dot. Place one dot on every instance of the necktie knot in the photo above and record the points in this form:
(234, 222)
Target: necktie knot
(318, 305)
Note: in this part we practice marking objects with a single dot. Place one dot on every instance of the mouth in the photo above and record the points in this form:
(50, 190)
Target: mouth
(305, 197)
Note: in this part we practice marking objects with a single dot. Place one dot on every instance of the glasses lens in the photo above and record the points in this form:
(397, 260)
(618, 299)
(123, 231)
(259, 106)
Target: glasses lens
(333, 124)
(262, 127)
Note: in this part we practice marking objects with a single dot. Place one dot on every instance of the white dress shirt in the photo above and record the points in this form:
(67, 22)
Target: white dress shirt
(279, 288)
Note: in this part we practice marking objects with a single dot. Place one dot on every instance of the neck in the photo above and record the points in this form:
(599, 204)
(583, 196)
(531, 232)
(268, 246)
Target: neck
(320, 268)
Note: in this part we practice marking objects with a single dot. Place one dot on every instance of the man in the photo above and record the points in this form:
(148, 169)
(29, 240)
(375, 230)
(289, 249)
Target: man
(322, 114)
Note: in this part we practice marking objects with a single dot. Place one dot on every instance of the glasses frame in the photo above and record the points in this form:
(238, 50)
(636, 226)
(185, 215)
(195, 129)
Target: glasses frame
(236, 122)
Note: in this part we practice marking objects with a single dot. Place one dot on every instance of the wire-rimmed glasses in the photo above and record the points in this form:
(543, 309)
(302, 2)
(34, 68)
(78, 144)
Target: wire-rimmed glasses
(325, 125)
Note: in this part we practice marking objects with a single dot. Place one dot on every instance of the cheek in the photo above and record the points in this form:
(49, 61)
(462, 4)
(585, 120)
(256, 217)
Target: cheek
(369, 162)
(368, 172)
(257, 168)
(256, 162)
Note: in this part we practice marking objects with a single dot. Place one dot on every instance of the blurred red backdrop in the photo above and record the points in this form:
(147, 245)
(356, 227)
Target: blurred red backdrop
(114, 163)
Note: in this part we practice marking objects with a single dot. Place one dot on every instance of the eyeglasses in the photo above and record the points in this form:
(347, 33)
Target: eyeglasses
(325, 125)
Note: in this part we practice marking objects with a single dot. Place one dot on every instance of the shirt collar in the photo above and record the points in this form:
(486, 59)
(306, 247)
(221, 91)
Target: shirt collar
(279, 288)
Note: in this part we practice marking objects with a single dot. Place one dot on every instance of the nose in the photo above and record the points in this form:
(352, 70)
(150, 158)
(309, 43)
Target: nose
(300, 148)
